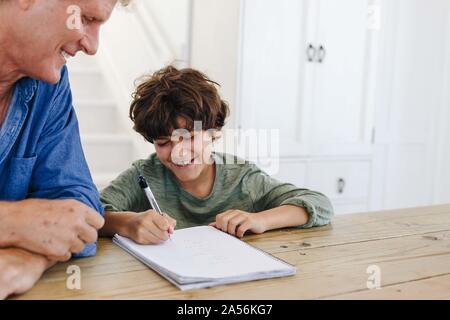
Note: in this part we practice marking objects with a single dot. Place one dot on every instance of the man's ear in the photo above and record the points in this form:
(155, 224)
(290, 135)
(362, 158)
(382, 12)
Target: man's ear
(25, 4)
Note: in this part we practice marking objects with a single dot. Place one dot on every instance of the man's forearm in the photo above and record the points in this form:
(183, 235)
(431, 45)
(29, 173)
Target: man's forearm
(38, 260)
(7, 225)
(20, 270)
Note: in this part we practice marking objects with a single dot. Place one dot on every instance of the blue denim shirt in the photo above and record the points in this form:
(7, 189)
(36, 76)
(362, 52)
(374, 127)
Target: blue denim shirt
(40, 149)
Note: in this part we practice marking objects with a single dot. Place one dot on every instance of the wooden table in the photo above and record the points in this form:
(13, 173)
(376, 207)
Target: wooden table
(410, 246)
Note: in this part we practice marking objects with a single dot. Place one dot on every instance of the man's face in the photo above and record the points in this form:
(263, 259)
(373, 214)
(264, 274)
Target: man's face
(53, 30)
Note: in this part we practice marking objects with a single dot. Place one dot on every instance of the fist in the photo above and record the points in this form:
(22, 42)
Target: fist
(150, 227)
(237, 222)
(53, 228)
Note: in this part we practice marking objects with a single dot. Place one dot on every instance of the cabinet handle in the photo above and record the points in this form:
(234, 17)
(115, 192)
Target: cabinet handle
(322, 54)
(311, 53)
(341, 185)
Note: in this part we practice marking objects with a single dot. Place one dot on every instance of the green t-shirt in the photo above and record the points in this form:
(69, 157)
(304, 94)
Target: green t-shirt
(238, 185)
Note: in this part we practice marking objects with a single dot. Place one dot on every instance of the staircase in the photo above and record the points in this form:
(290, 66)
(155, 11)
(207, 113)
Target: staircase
(136, 40)
(108, 148)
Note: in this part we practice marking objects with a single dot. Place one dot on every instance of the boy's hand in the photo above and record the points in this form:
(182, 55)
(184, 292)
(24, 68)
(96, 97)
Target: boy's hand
(237, 222)
(150, 227)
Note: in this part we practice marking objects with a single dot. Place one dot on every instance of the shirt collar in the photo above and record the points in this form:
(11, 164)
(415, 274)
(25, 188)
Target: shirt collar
(27, 88)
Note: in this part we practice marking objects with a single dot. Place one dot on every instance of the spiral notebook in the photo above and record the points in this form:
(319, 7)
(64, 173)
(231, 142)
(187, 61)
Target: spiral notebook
(203, 257)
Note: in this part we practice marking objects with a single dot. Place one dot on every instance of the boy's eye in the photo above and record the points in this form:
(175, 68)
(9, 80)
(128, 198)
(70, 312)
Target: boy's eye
(162, 143)
(180, 138)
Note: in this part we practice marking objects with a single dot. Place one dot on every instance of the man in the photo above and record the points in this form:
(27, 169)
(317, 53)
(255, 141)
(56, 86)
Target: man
(49, 206)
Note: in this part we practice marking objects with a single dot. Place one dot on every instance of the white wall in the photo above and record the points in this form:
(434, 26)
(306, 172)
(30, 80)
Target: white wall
(173, 17)
(409, 103)
(443, 139)
(138, 40)
(215, 44)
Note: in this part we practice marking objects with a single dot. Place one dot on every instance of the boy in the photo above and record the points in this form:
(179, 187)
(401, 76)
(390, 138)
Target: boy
(194, 185)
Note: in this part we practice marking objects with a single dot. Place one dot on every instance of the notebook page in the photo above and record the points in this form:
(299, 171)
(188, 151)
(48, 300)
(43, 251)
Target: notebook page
(207, 253)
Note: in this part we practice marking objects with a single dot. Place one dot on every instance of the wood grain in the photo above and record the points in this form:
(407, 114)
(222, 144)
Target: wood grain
(410, 246)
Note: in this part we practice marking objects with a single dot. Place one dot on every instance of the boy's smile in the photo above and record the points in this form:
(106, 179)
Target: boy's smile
(189, 164)
(187, 155)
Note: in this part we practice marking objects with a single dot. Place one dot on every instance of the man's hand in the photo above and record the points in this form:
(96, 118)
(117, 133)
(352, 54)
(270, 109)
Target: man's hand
(52, 228)
(149, 227)
(237, 222)
(20, 270)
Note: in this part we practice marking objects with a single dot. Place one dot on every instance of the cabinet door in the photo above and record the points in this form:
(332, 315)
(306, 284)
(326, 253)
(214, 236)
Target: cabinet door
(271, 70)
(341, 113)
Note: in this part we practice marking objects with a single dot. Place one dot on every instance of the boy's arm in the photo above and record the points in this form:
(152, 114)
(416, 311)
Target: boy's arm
(284, 217)
(127, 211)
(116, 222)
(276, 202)
(237, 222)
(123, 194)
(118, 199)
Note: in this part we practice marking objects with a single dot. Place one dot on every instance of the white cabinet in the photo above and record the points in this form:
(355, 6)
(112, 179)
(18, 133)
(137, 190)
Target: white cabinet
(292, 171)
(306, 70)
(341, 113)
(340, 179)
(272, 70)
(345, 182)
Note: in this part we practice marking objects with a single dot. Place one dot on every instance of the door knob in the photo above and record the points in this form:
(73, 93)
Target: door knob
(341, 185)
(311, 52)
(322, 53)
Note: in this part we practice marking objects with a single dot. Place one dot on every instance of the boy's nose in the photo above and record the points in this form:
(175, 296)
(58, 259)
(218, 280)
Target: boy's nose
(185, 154)
(182, 154)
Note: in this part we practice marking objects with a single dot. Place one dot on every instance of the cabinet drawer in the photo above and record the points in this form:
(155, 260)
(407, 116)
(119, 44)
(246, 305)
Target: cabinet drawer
(349, 208)
(340, 180)
(291, 171)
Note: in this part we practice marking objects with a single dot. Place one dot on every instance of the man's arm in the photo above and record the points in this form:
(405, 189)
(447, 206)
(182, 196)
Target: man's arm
(6, 226)
(62, 213)
(61, 171)
(20, 270)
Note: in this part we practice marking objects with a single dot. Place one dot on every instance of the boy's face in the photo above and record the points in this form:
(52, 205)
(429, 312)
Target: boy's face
(186, 153)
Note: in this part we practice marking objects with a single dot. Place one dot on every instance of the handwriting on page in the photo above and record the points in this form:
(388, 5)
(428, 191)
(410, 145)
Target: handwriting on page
(201, 250)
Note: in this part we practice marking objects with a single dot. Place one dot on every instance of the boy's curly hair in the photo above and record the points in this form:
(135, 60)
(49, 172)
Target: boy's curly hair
(161, 99)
